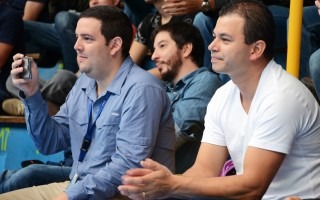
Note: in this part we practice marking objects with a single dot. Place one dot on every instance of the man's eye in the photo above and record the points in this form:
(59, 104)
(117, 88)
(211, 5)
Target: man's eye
(87, 38)
(225, 40)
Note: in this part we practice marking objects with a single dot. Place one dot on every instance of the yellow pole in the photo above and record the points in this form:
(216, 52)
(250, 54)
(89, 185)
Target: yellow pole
(294, 37)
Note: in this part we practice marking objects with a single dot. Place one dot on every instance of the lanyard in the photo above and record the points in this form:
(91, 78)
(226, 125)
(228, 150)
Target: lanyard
(88, 137)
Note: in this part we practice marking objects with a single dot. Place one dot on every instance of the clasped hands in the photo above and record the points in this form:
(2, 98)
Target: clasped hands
(149, 182)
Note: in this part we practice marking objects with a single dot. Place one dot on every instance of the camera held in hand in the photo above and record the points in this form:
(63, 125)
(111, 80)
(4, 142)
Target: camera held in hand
(26, 65)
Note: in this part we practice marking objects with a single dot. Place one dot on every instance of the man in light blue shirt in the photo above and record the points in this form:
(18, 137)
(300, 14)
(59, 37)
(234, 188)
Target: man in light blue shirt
(115, 116)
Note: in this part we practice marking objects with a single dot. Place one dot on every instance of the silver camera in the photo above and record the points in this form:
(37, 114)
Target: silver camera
(26, 65)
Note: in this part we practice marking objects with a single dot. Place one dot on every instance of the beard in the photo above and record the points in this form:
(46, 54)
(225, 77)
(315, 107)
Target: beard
(175, 62)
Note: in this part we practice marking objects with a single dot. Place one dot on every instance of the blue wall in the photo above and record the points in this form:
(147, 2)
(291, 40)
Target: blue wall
(17, 146)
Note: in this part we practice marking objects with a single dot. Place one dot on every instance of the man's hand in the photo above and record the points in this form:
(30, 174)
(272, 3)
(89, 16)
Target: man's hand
(62, 196)
(30, 86)
(181, 7)
(150, 182)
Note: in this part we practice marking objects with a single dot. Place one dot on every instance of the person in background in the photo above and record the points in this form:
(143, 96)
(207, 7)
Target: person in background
(264, 118)
(137, 10)
(142, 44)
(37, 10)
(54, 40)
(11, 42)
(33, 10)
(34, 173)
(115, 115)
(311, 39)
(56, 89)
(12, 37)
(178, 54)
(207, 17)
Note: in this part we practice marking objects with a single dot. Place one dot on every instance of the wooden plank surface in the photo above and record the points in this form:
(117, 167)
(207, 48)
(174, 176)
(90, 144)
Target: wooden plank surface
(12, 119)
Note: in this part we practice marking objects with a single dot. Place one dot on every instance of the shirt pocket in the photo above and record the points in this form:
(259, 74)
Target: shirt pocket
(105, 136)
(78, 124)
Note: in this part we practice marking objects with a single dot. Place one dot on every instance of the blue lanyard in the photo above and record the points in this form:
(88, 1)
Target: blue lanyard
(88, 137)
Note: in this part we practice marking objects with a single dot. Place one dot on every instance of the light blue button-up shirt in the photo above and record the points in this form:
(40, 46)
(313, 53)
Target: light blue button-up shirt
(136, 123)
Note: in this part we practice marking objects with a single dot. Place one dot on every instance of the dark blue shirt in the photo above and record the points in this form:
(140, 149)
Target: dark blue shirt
(189, 99)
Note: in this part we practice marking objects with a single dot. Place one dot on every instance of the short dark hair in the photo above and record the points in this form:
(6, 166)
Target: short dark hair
(258, 22)
(114, 23)
(183, 33)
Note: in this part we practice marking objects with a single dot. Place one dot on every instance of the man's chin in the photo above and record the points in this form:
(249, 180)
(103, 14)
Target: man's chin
(216, 68)
(83, 69)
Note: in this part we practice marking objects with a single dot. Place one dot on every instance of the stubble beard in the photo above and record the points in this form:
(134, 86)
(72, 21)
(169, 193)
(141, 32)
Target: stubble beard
(175, 62)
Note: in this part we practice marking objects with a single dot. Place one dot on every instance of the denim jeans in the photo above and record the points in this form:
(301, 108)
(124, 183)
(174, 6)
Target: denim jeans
(58, 37)
(314, 65)
(310, 39)
(280, 14)
(136, 10)
(40, 35)
(206, 25)
(32, 175)
(66, 23)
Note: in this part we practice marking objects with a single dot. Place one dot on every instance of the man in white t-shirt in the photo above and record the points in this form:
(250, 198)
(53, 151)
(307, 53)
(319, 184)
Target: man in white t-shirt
(264, 118)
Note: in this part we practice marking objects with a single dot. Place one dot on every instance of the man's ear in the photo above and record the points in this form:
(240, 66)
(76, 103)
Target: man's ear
(257, 49)
(115, 45)
(186, 49)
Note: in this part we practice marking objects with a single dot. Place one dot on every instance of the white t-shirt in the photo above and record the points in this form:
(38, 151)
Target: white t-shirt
(283, 117)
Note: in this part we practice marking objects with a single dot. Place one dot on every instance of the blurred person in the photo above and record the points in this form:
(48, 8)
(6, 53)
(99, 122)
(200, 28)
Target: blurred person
(310, 53)
(314, 65)
(142, 44)
(55, 90)
(11, 42)
(310, 39)
(35, 173)
(55, 39)
(36, 10)
(136, 10)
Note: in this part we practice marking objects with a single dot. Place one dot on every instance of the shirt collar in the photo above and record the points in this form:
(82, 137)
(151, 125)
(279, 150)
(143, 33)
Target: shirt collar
(185, 79)
(89, 85)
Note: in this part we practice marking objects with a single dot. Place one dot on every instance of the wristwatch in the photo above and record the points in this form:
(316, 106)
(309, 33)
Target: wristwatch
(205, 7)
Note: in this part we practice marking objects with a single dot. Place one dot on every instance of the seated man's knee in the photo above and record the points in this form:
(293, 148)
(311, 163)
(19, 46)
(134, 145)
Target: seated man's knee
(202, 21)
(27, 173)
(65, 20)
(314, 62)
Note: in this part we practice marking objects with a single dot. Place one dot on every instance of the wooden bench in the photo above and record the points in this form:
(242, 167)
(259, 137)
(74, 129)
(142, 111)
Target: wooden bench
(12, 119)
